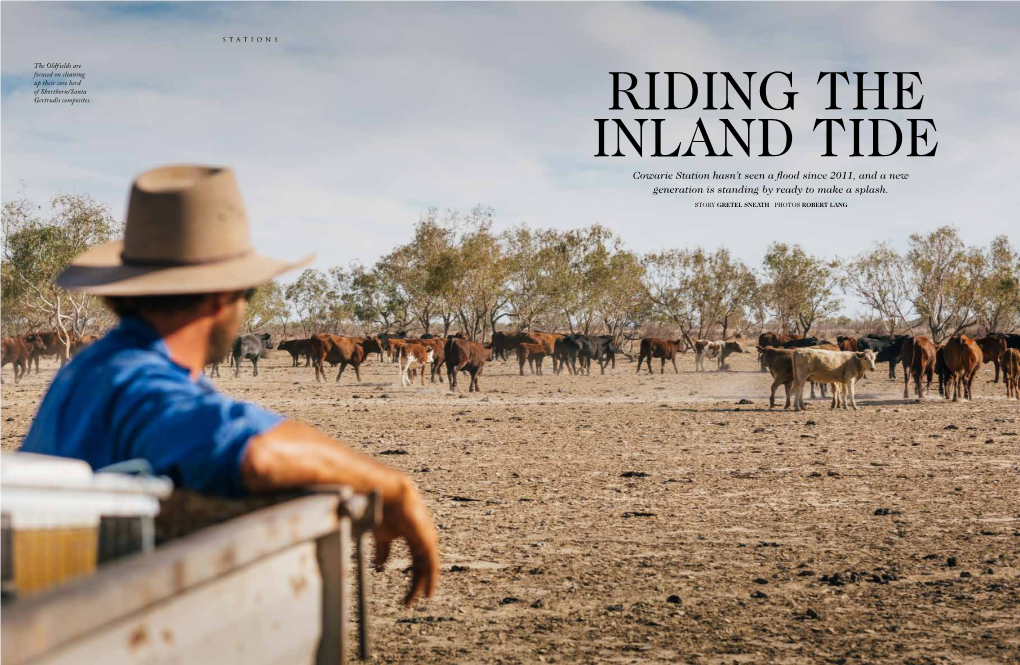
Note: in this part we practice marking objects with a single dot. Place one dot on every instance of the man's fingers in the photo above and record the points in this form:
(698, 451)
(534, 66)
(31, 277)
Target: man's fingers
(425, 575)
(382, 551)
(420, 575)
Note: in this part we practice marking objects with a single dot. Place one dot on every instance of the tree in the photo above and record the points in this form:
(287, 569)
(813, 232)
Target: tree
(699, 291)
(376, 299)
(37, 248)
(800, 289)
(267, 306)
(309, 296)
(670, 279)
(622, 299)
(530, 289)
(999, 291)
(943, 278)
(877, 278)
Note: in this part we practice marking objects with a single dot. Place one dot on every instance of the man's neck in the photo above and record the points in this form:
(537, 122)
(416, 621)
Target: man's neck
(186, 339)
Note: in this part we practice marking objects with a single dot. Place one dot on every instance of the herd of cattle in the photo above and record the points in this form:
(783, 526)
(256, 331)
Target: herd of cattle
(22, 351)
(791, 360)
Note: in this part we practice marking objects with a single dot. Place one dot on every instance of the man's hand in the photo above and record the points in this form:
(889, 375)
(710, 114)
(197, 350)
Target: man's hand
(293, 454)
(406, 517)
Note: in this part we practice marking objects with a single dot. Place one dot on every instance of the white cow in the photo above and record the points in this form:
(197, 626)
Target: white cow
(414, 356)
(704, 348)
(840, 368)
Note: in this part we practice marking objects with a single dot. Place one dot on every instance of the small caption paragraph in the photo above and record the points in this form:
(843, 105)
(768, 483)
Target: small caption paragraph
(59, 83)
(779, 189)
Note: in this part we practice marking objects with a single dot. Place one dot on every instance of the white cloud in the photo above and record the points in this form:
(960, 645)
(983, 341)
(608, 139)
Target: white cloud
(362, 115)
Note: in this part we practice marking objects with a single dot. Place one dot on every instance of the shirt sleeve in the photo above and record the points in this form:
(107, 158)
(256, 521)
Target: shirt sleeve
(193, 434)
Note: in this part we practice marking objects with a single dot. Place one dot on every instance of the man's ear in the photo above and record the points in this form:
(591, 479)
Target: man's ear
(216, 302)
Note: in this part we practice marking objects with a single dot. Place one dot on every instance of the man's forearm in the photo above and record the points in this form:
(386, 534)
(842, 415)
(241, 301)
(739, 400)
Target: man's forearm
(293, 454)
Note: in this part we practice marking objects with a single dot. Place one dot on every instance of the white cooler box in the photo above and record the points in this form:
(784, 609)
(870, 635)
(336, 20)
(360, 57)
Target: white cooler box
(60, 519)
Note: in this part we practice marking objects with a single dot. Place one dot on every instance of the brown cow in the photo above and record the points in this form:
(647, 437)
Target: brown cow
(963, 360)
(296, 348)
(775, 340)
(82, 342)
(47, 344)
(664, 349)
(467, 356)
(846, 343)
(369, 345)
(992, 347)
(548, 340)
(1010, 361)
(18, 352)
(917, 354)
(393, 345)
(533, 354)
(334, 348)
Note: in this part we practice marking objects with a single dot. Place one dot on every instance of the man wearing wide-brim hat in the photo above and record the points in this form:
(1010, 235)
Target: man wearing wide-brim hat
(179, 281)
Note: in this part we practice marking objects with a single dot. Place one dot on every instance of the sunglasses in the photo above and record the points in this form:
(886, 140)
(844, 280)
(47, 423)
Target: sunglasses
(247, 294)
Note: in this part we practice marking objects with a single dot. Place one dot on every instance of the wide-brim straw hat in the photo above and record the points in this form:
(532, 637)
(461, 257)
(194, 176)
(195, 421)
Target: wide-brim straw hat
(186, 232)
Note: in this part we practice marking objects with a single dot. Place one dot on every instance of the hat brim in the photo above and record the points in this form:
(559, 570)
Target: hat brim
(101, 271)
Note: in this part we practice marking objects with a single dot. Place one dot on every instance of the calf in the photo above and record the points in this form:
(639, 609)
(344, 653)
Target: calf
(918, 357)
(296, 348)
(437, 344)
(414, 355)
(992, 347)
(249, 347)
(963, 360)
(664, 349)
(533, 354)
(704, 348)
(840, 368)
(335, 349)
(467, 356)
(1010, 362)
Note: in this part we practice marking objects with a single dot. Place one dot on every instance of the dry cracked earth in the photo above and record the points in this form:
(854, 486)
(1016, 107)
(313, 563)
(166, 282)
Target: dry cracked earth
(675, 518)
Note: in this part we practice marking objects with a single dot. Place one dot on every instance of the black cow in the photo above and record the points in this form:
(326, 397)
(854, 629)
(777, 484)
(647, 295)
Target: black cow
(802, 343)
(570, 349)
(250, 347)
(886, 348)
(609, 351)
(565, 352)
(1012, 340)
(384, 339)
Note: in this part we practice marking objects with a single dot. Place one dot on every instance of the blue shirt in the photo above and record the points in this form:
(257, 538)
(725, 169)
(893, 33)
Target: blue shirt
(123, 398)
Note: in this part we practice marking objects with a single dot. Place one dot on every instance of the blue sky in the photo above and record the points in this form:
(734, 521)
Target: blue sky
(363, 114)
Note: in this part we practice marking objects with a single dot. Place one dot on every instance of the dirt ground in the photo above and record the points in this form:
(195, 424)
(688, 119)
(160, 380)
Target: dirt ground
(636, 518)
